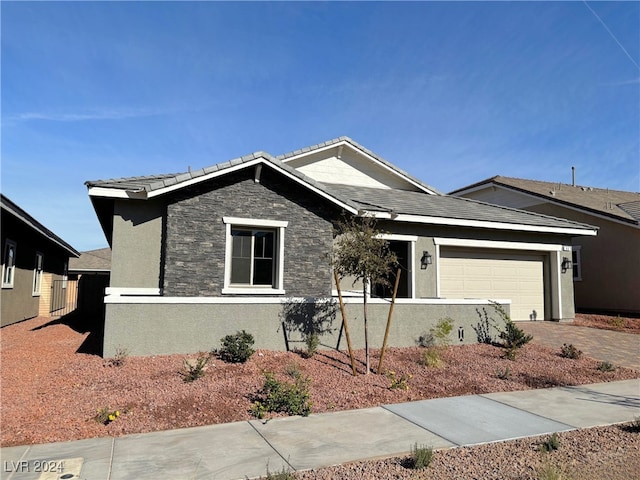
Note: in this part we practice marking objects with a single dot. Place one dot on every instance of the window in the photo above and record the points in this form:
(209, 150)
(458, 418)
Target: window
(9, 264)
(65, 275)
(254, 259)
(576, 262)
(37, 275)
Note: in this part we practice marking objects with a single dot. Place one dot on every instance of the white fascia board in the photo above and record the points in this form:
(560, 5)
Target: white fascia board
(500, 245)
(457, 222)
(344, 143)
(125, 291)
(116, 193)
(116, 299)
(399, 237)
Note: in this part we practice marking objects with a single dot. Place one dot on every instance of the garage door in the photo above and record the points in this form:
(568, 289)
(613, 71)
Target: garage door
(495, 275)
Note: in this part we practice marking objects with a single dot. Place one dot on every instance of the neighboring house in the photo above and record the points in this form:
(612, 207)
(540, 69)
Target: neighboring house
(606, 268)
(202, 254)
(91, 272)
(34, 266)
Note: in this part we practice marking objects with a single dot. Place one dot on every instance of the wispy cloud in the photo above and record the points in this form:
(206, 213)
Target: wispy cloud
(103, 114)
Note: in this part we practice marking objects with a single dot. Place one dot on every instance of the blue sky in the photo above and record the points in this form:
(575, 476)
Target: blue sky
(451, 92)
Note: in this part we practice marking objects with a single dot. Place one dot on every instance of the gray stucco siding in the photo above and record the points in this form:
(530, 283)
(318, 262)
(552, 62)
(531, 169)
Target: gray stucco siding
(195, 233)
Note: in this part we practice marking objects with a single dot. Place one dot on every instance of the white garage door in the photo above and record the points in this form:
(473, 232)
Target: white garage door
(495, 275)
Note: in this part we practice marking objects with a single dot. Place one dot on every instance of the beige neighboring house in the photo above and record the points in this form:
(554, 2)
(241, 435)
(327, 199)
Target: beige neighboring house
(34, 267)
(606, 267)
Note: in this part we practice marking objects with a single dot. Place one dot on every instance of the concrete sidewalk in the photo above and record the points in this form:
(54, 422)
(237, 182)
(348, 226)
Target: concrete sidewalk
(246, 449)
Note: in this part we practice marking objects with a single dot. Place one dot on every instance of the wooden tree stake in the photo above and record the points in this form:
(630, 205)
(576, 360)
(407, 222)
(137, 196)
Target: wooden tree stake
(386, 332)
(344, 322)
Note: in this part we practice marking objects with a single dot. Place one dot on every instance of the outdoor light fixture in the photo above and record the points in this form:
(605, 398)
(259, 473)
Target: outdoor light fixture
(566, 264)
(425, 260)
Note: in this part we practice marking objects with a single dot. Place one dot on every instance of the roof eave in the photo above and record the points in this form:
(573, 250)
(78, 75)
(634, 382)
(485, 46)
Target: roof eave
(458, 222)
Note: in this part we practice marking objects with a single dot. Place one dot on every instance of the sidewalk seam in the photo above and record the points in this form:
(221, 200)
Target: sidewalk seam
(422, 427)
(113, 447)
(21, 459)
(271, 446)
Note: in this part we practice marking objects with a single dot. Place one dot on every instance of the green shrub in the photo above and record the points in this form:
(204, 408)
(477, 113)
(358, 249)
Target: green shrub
(105, 415)
(606, 367)
(550, 471)
(398, 383)
(284, 474)
(432, 357)
(312, 341)
(442, 330)
(236, 348)
(292, 398)
(421, 456)
(550, 444)
(195, 369)
(513, 336)
(483, 327)
(569, 351)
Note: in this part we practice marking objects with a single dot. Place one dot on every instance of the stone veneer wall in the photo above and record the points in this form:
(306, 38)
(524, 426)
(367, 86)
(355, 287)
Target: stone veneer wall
(194, 246)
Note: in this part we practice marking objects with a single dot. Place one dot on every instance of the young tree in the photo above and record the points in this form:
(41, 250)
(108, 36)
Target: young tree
(361, 253)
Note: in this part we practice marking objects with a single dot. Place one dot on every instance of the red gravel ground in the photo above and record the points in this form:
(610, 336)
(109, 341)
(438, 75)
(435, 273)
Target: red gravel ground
(618, 323)
(51, 393)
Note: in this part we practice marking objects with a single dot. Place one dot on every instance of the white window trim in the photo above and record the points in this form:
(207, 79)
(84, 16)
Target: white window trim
(4, 260)
(578, 263)
(412, 239)
(38, 276)
(240, 222)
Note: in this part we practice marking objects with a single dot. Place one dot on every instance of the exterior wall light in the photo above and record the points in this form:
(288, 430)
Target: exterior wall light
(426, 260)
(566, 264)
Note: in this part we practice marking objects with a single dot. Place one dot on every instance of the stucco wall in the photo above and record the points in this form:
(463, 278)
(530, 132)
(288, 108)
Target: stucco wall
(610, 263)
(137, 241)
(193, 327)
(195, 232)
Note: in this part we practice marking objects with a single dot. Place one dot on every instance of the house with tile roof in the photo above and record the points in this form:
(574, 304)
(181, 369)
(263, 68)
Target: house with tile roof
(34, 267)
(606, 267)
(203, 254)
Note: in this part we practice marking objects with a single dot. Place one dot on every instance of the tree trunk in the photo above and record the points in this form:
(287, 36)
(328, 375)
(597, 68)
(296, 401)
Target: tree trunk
(366, 332)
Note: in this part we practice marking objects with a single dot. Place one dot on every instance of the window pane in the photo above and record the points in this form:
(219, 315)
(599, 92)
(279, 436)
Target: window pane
(241, 243)
(241, 270)
(263, 245)
(263, 271)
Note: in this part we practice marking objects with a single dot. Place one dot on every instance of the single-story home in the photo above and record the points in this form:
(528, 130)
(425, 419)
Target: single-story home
(35, 265)
(606, 268)
(202, 254)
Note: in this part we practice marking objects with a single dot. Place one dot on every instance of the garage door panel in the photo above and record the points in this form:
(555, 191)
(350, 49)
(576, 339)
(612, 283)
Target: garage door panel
(495, 276)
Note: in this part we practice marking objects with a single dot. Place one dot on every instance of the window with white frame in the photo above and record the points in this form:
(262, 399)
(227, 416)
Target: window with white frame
(254, 256)
(65, 275)
(9, 264)
(576, 262)
(37, 274)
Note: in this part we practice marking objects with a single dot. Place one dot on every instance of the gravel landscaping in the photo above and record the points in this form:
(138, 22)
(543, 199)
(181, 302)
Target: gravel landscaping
(51, 393)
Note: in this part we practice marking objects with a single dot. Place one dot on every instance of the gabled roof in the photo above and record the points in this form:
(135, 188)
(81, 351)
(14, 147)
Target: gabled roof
(425, 206)
(92, 261)
(287, 157)
(27, 219)
(616, 204)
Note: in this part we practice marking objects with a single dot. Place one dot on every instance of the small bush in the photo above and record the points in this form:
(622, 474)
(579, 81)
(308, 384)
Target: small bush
(483, 328)
(569, 351)
(550, 471)
(503, 374)
(105, 415)
(236, 348)
(426, 340)
(634, 426)
(442, 330)
(421, 456)
(606, 367)
(120, 358)
(431, 357)
(550, 444)
(312, 341)
(513, 336)
(284, 474)
(277, 396)
(398, 383)
(195, 369)
(510, 353)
